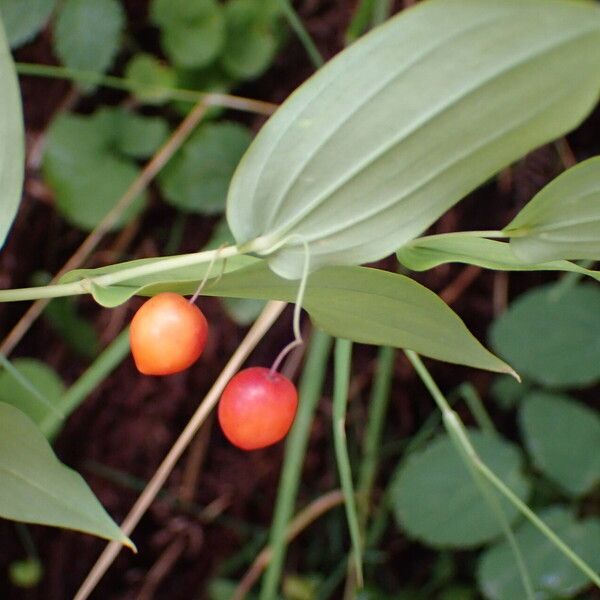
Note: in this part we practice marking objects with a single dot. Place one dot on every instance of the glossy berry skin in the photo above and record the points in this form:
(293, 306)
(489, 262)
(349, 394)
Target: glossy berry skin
(257, 408)
(167, 335)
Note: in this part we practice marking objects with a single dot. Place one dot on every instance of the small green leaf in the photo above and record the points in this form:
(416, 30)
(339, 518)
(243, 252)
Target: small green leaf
(251, 41)
(85, 171)
(243, 311)
(24, 18)
(12, 136)
(552, 574)
(42, 381)
(361, 304)
(563, 437)
(554, 339)
(431, 251)
(507, 391)
(435, 498)
(197, 177)
(37, 488)
(192, 31)
(563, 220)
(405, 122)
(87, 33)
(139, 136)
(151, 78)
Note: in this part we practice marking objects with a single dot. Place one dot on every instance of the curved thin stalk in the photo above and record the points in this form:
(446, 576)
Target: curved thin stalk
(456, 428)
(302, 34)
(342, 363)
(118, 83)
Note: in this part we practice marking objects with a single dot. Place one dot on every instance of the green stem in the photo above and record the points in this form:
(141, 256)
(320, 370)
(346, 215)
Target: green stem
(107, 361)
(360, 21)
(119, 83)
(303, 35)
(378, 404)
(85, 286)
(381, 11)
(454, 425)
(494, 504)
(469, 394)
(342, 363)
(310, 392)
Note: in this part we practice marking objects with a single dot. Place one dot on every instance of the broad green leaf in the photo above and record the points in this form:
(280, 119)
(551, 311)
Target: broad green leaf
(563, 220)
(151, 78)
(552, 574)
(87, 33)
(507, 391)
(251, 40)
(435, 499)
(431, 251)
(40, 380)
(554, 339)
(139, 136)
(24, 18)
(197, 177)
(12, 136)
(243, 311)
(563, 438)
(192, 31)
(37, 488)
(400, 126)
(86, 172)
(361, 304)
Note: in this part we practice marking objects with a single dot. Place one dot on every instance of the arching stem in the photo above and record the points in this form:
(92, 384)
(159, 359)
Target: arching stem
(298, 341)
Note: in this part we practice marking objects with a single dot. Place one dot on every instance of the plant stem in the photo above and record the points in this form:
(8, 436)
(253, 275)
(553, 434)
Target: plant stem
(469, 394)
(310, 393)
(85, 286)
(303, 35)
(456, 428)
(119, 83)
(342, 363)
(107, 361)
(378, 404)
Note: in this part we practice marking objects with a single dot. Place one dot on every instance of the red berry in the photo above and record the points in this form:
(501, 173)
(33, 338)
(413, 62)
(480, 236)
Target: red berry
(257, 408)
(167, 335)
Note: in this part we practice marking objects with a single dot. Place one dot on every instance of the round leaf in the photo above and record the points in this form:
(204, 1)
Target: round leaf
(436, 500)
(41, 378)
(554, 339)
(251, 42)
(563, 437)
(398, 127)
(151, 78)
(552, 574)
(84, 171)
(87, 33)
(193, 31)
(197, 177)
(24, 18)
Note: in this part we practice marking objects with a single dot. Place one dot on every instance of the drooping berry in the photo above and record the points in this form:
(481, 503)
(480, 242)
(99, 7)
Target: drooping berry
(257, 408)
(167, 334)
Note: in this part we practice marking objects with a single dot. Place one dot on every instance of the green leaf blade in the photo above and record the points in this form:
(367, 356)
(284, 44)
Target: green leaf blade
(87, 33)
(363, 157)
(36, 488)
(555, 341)
(562, 435)
(553, 575)
(12, 152)
(24, 18)
(431, 251)
(435, 498)
(563, 219)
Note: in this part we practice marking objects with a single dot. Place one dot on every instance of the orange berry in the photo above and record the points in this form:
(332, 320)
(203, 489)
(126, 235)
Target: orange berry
(257, 408)
(167, 335)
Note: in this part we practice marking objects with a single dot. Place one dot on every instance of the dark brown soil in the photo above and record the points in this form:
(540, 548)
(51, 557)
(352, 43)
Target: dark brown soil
(129, 423)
